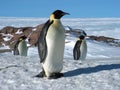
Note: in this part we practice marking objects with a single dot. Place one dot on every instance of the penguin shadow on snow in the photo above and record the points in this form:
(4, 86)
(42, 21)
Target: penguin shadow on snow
(90, 70)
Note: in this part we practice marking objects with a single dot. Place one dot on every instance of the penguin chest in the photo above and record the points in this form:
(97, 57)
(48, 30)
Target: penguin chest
(83, 50)
(55, 40)
(22, 48)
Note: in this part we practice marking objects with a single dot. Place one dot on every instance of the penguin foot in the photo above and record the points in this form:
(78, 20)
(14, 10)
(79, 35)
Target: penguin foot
(41, 74)
(56, 76)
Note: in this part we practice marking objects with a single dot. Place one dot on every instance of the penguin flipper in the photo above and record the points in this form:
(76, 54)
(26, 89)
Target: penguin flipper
(16, 51)
(76, 50)
(42, 47)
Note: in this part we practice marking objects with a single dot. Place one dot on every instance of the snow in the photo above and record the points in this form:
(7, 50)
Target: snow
(100, 70)
(87, 76)
(7, 37)
(34, 29)
(19, 31)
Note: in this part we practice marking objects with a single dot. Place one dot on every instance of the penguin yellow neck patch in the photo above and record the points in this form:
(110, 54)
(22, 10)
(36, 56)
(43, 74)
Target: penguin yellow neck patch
(79, 39)
(21, 39)
(56, 21)
(52, 17)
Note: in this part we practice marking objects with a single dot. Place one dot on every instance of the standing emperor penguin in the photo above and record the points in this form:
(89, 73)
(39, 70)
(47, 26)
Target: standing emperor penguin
(80, 49)
(20, 47)
(51, 45)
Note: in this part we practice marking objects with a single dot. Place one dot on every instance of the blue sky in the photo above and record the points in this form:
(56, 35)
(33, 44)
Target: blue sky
(43, 8)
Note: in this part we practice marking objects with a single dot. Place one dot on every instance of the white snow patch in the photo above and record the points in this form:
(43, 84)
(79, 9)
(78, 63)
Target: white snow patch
(19, 31)
(34, 29)
(7, 37)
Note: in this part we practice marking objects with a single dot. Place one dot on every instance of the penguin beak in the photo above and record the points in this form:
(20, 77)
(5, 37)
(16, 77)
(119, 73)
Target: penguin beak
(65, 13)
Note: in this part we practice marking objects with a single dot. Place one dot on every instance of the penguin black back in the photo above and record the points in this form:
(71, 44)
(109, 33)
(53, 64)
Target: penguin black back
(42, 47)
(16, 51)
(76, 50)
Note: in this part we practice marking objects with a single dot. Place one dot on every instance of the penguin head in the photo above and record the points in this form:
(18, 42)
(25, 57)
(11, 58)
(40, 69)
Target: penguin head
(22, 38)
(81, 37)
(58, 14)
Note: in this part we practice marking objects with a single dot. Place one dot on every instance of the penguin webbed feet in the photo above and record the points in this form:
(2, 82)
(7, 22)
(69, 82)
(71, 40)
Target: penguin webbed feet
(41, 74)
(53, 76)
(56, 76)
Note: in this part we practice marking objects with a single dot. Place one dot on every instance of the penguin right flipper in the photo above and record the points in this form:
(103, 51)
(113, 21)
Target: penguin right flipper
(76, 50)
(42, 47)
(16, 51)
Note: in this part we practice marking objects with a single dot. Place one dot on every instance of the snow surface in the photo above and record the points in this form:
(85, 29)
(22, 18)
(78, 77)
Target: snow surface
(19, 31)
(100, 70)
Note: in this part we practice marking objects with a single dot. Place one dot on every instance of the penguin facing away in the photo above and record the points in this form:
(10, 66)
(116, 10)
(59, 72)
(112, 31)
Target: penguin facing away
(20, 47)
(80, 49)
(51, 45)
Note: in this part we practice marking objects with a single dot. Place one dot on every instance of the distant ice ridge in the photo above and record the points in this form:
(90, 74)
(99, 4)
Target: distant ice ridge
(20, 22)
(97, 26)
(92, 26)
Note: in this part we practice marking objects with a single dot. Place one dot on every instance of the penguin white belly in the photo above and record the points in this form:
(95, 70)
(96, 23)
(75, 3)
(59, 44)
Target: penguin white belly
(22, 48)
(83, 49)
(55, 40)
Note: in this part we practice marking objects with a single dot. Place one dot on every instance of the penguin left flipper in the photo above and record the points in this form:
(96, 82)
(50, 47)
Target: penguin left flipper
(16, 51)
(76, 50)
(42, 47)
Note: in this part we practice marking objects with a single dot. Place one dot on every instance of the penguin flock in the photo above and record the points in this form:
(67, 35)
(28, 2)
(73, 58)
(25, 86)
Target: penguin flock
(51, 44)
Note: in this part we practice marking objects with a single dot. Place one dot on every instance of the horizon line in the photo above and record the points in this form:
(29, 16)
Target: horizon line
(63, 17)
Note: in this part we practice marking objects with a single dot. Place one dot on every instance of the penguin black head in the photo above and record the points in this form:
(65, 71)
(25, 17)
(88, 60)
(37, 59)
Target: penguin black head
(81, 37)
(58, 14)
(22, 38)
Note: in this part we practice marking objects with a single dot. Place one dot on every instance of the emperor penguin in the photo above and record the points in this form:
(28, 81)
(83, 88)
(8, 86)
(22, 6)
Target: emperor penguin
(80, 49)
(20, 47)
(51, 45)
